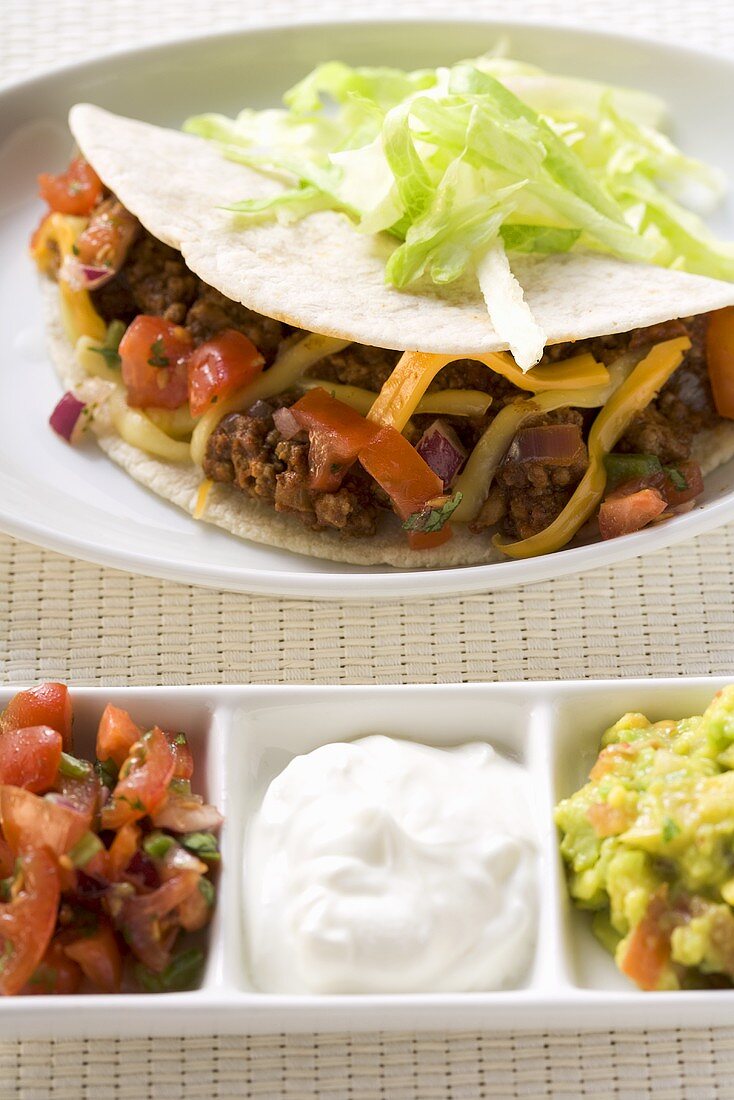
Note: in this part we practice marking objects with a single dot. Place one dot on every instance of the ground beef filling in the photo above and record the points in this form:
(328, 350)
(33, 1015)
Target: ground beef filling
(247, 450)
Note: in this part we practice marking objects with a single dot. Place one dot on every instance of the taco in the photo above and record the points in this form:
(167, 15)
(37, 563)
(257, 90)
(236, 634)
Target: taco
(265, 377)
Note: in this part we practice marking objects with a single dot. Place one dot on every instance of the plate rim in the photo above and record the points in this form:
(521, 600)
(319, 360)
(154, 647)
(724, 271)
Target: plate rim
(383, 583)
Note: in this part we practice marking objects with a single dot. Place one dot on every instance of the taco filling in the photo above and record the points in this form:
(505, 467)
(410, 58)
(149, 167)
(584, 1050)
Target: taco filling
(229, 358)
(180, 346)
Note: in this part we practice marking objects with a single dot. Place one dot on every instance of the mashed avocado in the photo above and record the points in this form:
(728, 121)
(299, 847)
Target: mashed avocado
(649, 847)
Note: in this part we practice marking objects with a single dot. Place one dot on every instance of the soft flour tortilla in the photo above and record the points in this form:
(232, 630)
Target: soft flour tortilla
(322, 276)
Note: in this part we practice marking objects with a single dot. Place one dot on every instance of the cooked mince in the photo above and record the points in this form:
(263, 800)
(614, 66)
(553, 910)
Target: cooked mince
(247, 451)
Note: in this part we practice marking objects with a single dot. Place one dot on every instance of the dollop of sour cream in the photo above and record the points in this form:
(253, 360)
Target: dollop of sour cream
(384, 866)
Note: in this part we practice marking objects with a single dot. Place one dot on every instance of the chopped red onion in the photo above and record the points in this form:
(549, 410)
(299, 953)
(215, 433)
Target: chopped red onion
(261, 410)
(81, 276)
(67, 419)
(551, 444)
(286, 423)
(187, 814)
(441, 449)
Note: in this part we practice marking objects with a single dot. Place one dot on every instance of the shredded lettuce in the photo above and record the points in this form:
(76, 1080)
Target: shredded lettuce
(469, 165)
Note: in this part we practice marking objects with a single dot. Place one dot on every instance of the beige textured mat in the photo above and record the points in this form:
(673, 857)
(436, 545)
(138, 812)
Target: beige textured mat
(669, 614)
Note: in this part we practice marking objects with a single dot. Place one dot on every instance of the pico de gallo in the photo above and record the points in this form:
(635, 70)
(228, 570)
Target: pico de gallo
(600, 435)
(106, 864)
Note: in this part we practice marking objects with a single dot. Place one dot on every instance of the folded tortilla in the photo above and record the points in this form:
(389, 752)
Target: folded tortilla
(321, 275)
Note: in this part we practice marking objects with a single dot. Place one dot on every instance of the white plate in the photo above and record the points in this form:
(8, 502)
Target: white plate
(243, 737)
(80, 503)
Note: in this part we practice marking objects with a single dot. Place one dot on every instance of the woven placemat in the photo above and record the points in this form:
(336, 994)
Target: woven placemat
(668, 614)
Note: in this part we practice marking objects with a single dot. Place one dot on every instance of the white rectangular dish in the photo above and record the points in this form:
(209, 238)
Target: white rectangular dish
(242, 737)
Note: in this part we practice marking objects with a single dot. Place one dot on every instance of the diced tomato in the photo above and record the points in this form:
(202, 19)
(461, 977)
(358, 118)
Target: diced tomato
(30, 822)
(27, 922)
(143, 784)
(116, 734)
(336, 435)
(648, 950)
(75, 191)
(142, 918)
(407, 479)
(56, 973)
(107, 238)
(179, 746)
(30, 758)
(45, 705)
(99, 957)
(676, 494)
(220, 366)
(620, 515)
(608, 820)
(122, 850)
(720, 359)
(154, 355)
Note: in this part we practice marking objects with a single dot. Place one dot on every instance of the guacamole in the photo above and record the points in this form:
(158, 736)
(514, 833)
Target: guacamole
(649, 847)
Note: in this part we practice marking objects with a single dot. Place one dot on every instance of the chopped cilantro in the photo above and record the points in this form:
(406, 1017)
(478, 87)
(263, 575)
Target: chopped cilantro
(671, 829)
(677, 478)
(107, 772)
(181, 973)
(158, 357)
(207, 891)
(431, 519)
(75, 249)
(180, 739)
(109, 349)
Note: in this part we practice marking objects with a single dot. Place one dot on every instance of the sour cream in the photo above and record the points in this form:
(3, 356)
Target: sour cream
(384, 866)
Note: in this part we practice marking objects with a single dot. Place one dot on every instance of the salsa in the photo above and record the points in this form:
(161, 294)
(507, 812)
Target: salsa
(105, 864)
(648, 845)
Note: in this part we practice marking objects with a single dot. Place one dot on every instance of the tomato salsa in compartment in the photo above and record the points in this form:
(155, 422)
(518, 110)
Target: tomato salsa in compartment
(106, 864)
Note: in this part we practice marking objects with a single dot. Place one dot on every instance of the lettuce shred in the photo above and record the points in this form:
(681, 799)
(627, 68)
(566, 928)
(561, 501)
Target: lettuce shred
(488, 156)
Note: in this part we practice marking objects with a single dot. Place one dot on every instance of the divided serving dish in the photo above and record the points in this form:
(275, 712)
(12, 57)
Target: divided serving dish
(242, 737)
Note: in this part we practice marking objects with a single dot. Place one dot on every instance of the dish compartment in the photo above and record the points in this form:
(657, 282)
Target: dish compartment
(242, 737)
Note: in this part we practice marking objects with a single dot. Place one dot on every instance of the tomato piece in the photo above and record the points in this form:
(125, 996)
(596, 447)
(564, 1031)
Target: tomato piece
(220, 366)
(674, 492)
(143, 784)
(75, 191)
(56, 973)
(45, 705)
(30, 758)
(99, 957)
(608, 820)
(29, 822)
(621, 515)
(116, 735)
(407, 479)
(648, 949)
(122, 850)
(154, 354)
(336, 434)
(184, 761)
(145, 919)
(107, 238)
(27, 922)
(720, 359)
